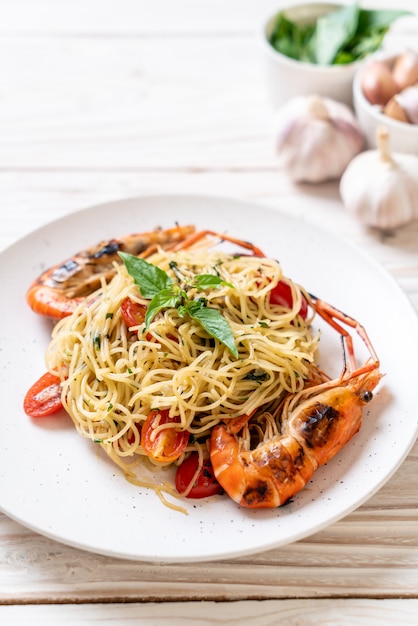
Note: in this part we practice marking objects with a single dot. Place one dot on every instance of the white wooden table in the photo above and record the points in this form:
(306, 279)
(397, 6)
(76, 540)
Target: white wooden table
(106, 99)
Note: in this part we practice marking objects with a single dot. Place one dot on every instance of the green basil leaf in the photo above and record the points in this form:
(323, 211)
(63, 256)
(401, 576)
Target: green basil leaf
(150, 278)
(213, 322)
(339, 37)
(164, 299)
(372, 19)
(207, 281)
(361, 47)
(292, 39)
(333, 31)
(195, 305)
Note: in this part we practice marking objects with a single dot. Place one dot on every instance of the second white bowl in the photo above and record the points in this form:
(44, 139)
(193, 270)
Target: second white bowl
(403, 137)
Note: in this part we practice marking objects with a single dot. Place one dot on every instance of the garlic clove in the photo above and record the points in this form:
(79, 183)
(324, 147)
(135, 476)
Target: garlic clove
(315, 138)
(408, 101)
(381, 189)
(395, 110)
(405, 69)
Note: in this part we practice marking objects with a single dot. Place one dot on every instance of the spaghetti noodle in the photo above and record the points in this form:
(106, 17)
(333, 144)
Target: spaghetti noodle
(113, 376)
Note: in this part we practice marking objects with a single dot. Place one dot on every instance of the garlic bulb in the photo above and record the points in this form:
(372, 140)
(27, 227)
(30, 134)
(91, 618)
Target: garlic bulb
(381, 189)
(315, 138)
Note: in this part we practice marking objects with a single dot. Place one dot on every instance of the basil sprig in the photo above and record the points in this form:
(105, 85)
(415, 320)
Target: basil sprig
(336, 38)
(164, 293)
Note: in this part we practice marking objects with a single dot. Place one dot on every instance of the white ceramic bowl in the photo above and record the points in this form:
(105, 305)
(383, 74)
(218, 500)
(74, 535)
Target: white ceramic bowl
(287, 78)
(403, 137)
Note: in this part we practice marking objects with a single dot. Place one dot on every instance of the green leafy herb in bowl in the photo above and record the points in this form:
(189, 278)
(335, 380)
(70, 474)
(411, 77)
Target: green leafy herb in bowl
(312, 50)
(342, 36)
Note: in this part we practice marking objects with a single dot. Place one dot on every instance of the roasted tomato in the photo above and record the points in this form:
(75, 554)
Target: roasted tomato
(205, 484)
(44, 397)
(282, 295)
(166, 444)
(133, 313)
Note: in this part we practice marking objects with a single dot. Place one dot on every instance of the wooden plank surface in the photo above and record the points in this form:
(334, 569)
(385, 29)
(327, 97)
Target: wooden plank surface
(268, 613)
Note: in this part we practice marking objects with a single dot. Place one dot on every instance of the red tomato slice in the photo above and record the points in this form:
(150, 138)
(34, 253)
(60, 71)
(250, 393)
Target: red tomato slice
(205, 484)
(133, 313)
(281, 294)
(167, 444)
(44, 397)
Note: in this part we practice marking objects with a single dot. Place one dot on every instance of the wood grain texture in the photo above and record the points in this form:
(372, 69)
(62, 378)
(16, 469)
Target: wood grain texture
(266, 613)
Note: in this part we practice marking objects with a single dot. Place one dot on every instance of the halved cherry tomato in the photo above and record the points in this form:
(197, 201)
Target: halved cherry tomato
(44, 397)
(282, 294)
(133, 313)
(167, 444)
(205, 484)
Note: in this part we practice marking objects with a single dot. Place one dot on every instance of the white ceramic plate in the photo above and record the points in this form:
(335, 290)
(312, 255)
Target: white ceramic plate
(62, 486)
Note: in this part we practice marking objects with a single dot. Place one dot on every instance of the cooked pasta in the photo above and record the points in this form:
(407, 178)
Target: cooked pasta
(113, 376)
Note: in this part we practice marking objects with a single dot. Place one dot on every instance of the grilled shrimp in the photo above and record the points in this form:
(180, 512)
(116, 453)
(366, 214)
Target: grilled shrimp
(58, 290)
(315, 424)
